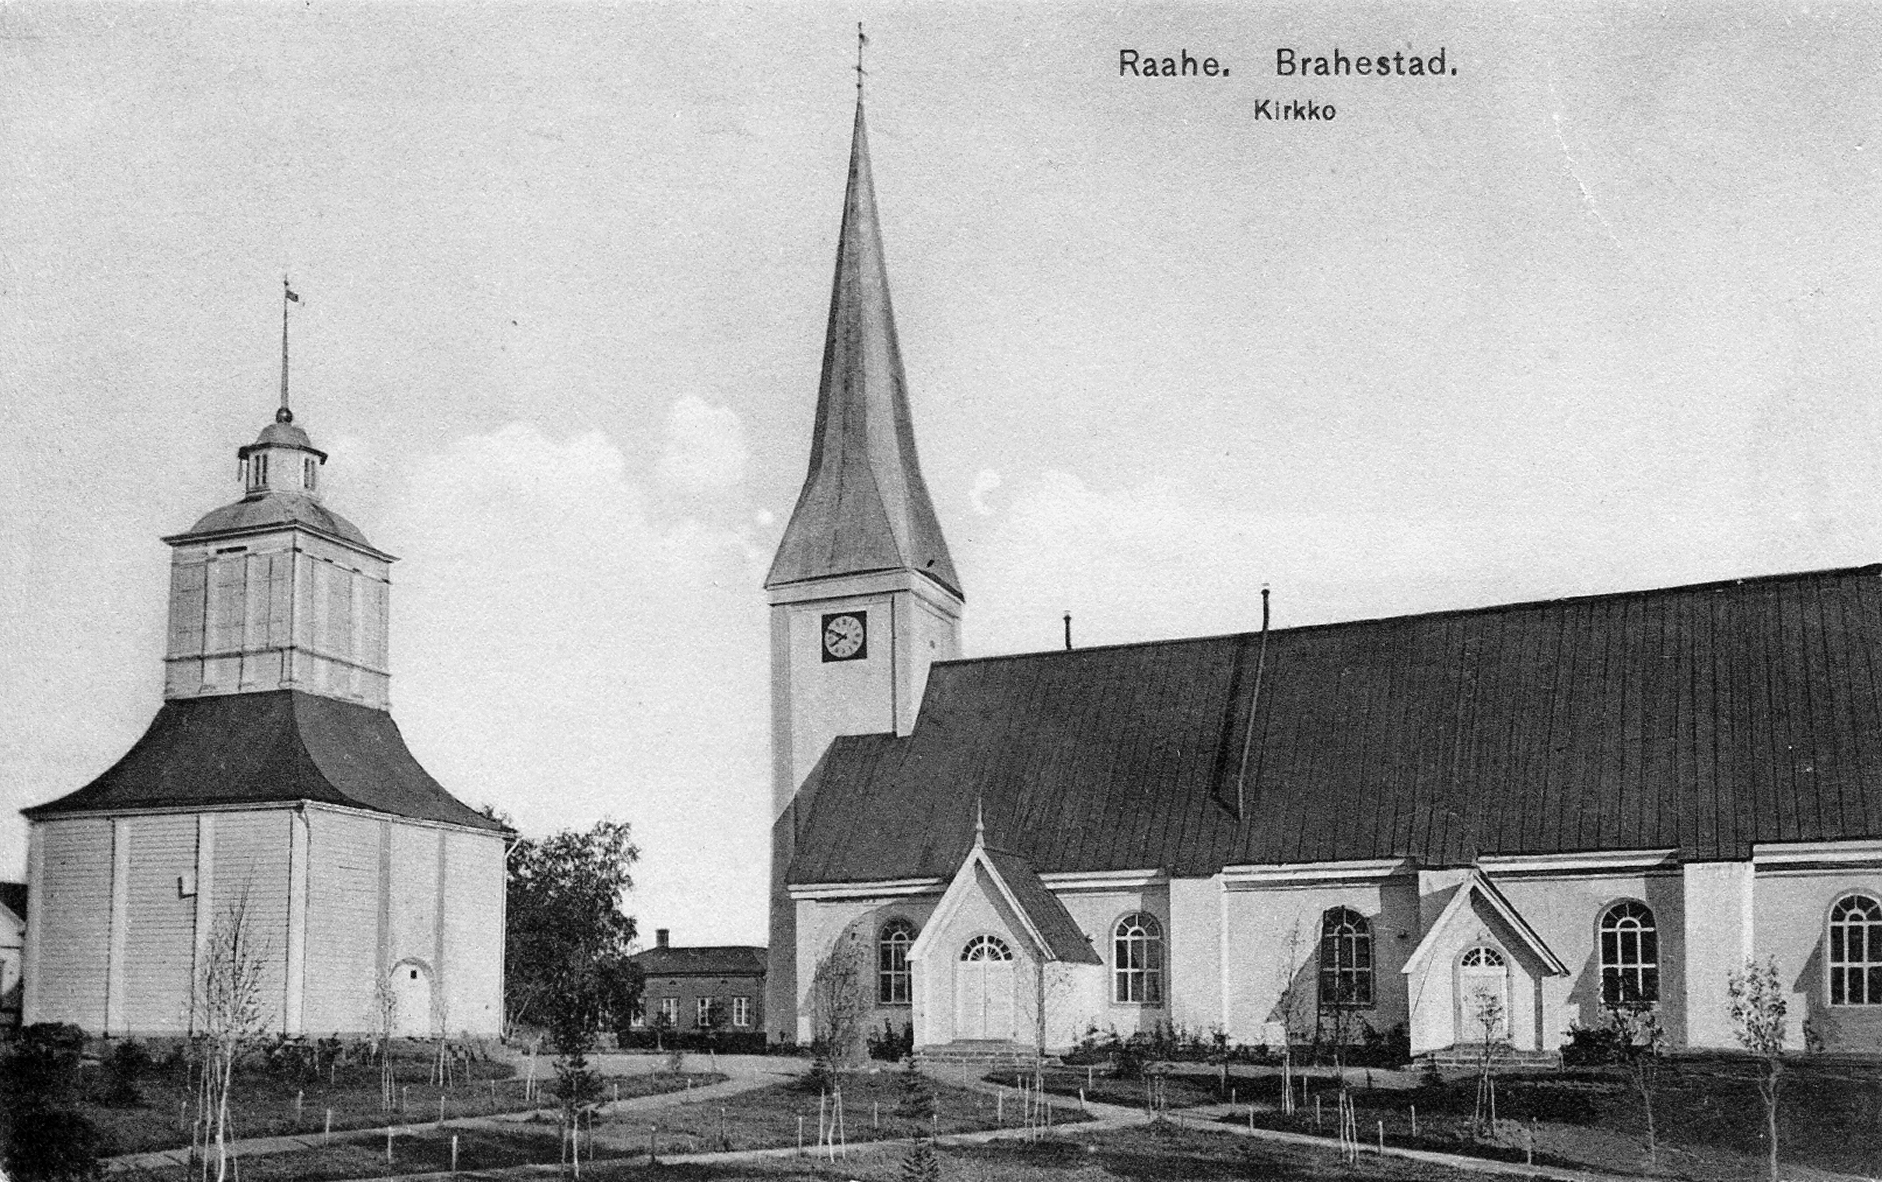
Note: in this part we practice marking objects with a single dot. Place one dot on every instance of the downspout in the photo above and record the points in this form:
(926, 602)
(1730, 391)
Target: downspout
(1254, 700)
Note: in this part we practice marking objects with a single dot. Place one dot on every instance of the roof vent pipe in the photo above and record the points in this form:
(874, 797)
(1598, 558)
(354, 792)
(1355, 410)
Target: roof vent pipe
(1068, 632)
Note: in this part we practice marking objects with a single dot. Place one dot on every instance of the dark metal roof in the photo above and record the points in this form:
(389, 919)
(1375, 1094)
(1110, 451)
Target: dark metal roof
(1057, 928)
(1700, 719)
(720, 960)
(13, 898)
(282, 434)
(264, 748)
(864, 506)
(271, 509)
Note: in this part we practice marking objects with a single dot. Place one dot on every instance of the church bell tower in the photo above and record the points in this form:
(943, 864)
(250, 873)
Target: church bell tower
(863, 592)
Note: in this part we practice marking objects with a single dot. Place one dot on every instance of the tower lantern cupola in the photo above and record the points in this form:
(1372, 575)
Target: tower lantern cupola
(282, 460)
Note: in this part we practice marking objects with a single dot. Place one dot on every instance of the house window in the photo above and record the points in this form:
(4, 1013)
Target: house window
(260, 469)
(670, 1011)
(308, 468)
(1137, 960)
(1345, 959)
(706, 1017)
(741, 1011)
(1630, 956)
(1856, 952)
(892, 986)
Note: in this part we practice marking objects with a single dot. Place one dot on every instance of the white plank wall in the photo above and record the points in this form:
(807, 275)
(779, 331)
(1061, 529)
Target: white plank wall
(252, 860)
(342, 923)
(161, 921)
(75, 886)
(473, 933)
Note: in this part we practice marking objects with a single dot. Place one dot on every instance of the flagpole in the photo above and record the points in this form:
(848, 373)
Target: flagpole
(284, 415)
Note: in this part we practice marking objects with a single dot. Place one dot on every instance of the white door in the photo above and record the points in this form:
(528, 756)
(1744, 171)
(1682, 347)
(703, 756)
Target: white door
(1483, 996)
(983, 990)
(411, 1001)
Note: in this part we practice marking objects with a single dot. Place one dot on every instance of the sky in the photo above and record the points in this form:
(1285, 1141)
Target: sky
(1596, 310)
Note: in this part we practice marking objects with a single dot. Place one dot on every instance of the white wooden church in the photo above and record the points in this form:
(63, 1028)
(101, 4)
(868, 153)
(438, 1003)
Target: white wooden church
(1523, 811)
(273, 776)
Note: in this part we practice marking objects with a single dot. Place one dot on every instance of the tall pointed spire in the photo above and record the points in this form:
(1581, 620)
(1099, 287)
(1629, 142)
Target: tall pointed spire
(864, 506)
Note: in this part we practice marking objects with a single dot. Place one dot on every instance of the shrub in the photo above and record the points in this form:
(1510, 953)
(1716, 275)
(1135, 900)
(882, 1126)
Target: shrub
(1592, 1046)
(892, 1046)
(129, 1060)
(916, 1094)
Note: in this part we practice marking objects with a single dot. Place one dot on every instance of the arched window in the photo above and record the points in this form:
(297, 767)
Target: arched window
(1856, 952)
(1137, 960)
(892, 987)
(1345, 959)
(1630, 955)
(986, 948)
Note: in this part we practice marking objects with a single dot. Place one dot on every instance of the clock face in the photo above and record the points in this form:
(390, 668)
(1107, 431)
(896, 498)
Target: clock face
(846, 636)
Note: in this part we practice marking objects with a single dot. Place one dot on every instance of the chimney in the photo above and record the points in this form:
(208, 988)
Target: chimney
(660, 937)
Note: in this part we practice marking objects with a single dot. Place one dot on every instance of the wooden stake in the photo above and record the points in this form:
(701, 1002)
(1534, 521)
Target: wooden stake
(299, 1097)
(800, 1134)
(1381, 1138)
(1316, 1114)
(388, 1144)
(654, 1131)
(1414, 1109)
(454, 1153)
(329, 1133)
(440, 1109)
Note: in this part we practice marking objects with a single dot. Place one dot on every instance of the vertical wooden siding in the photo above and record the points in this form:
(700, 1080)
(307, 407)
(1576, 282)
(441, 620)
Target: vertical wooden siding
(75, 885)
(158, 944)
(342, 922)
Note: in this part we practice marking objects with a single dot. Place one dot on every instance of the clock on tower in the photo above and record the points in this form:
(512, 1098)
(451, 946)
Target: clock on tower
(846, 636)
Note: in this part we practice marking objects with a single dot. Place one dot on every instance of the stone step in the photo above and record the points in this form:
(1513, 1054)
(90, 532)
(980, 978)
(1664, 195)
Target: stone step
(1469, 1056)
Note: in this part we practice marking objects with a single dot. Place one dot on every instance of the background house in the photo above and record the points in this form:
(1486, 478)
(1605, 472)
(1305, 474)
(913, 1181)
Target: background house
(692, 991)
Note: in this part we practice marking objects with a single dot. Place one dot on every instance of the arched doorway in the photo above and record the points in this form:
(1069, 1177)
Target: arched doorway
(983, 990)
(410, 988)
(1483, 996)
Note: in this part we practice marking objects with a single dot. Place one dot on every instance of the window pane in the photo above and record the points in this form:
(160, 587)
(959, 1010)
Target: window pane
(1875, 986)
(1649, 947)
(1837, 997)
(1856, 944)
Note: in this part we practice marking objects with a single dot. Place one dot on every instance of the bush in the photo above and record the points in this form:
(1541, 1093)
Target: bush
(890, 1046)
(916, 1095)
(1592, 1046)
(41, 1138)
(53, 1145)
(725, 1042)
(128, 1061)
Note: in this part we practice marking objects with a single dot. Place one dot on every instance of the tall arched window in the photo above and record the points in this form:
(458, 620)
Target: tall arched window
(1345, 958)
(892, 987)
(1137, 960)
(1856, 952)
(1630, 955)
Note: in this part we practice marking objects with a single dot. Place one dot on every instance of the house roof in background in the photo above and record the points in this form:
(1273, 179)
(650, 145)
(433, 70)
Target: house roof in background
(712, 960)
(1701, 718)
(274, 747)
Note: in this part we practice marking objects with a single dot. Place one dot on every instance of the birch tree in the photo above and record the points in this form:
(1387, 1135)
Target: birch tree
(229, 1013)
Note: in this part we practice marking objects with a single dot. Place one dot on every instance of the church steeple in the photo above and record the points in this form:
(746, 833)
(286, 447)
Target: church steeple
(863, 593)
(864, 506)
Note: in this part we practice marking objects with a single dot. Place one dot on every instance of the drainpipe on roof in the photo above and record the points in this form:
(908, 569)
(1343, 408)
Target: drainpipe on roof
(1254, 699)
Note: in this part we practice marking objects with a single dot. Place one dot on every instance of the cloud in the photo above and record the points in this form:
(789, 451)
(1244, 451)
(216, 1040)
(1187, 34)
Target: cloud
(984, 483)
(564, 653)
(1169, 558)
(704, 447)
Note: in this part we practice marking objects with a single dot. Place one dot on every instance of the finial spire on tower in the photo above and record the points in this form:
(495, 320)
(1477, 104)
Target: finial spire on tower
(980, 822)
(284, 415)
(861, 40)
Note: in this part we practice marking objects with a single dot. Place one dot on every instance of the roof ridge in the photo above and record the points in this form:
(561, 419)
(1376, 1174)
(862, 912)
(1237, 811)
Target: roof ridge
(1873, 568)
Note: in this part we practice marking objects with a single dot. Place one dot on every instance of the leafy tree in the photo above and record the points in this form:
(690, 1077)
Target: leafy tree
(1640, 1043)
(566, 956)
(1755, 1001)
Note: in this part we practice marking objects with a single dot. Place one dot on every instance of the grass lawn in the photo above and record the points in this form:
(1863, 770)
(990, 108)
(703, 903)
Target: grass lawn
(1178, 1090)
(1709, 1118)
(265, 1104)
(764, 1117)
(1129, 1155)
(769, 1117)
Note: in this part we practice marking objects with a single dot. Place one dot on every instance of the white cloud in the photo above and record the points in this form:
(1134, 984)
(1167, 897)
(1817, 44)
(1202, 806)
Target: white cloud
(563, 653)
(985, 482)
(705, 446)
(1168, 558)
